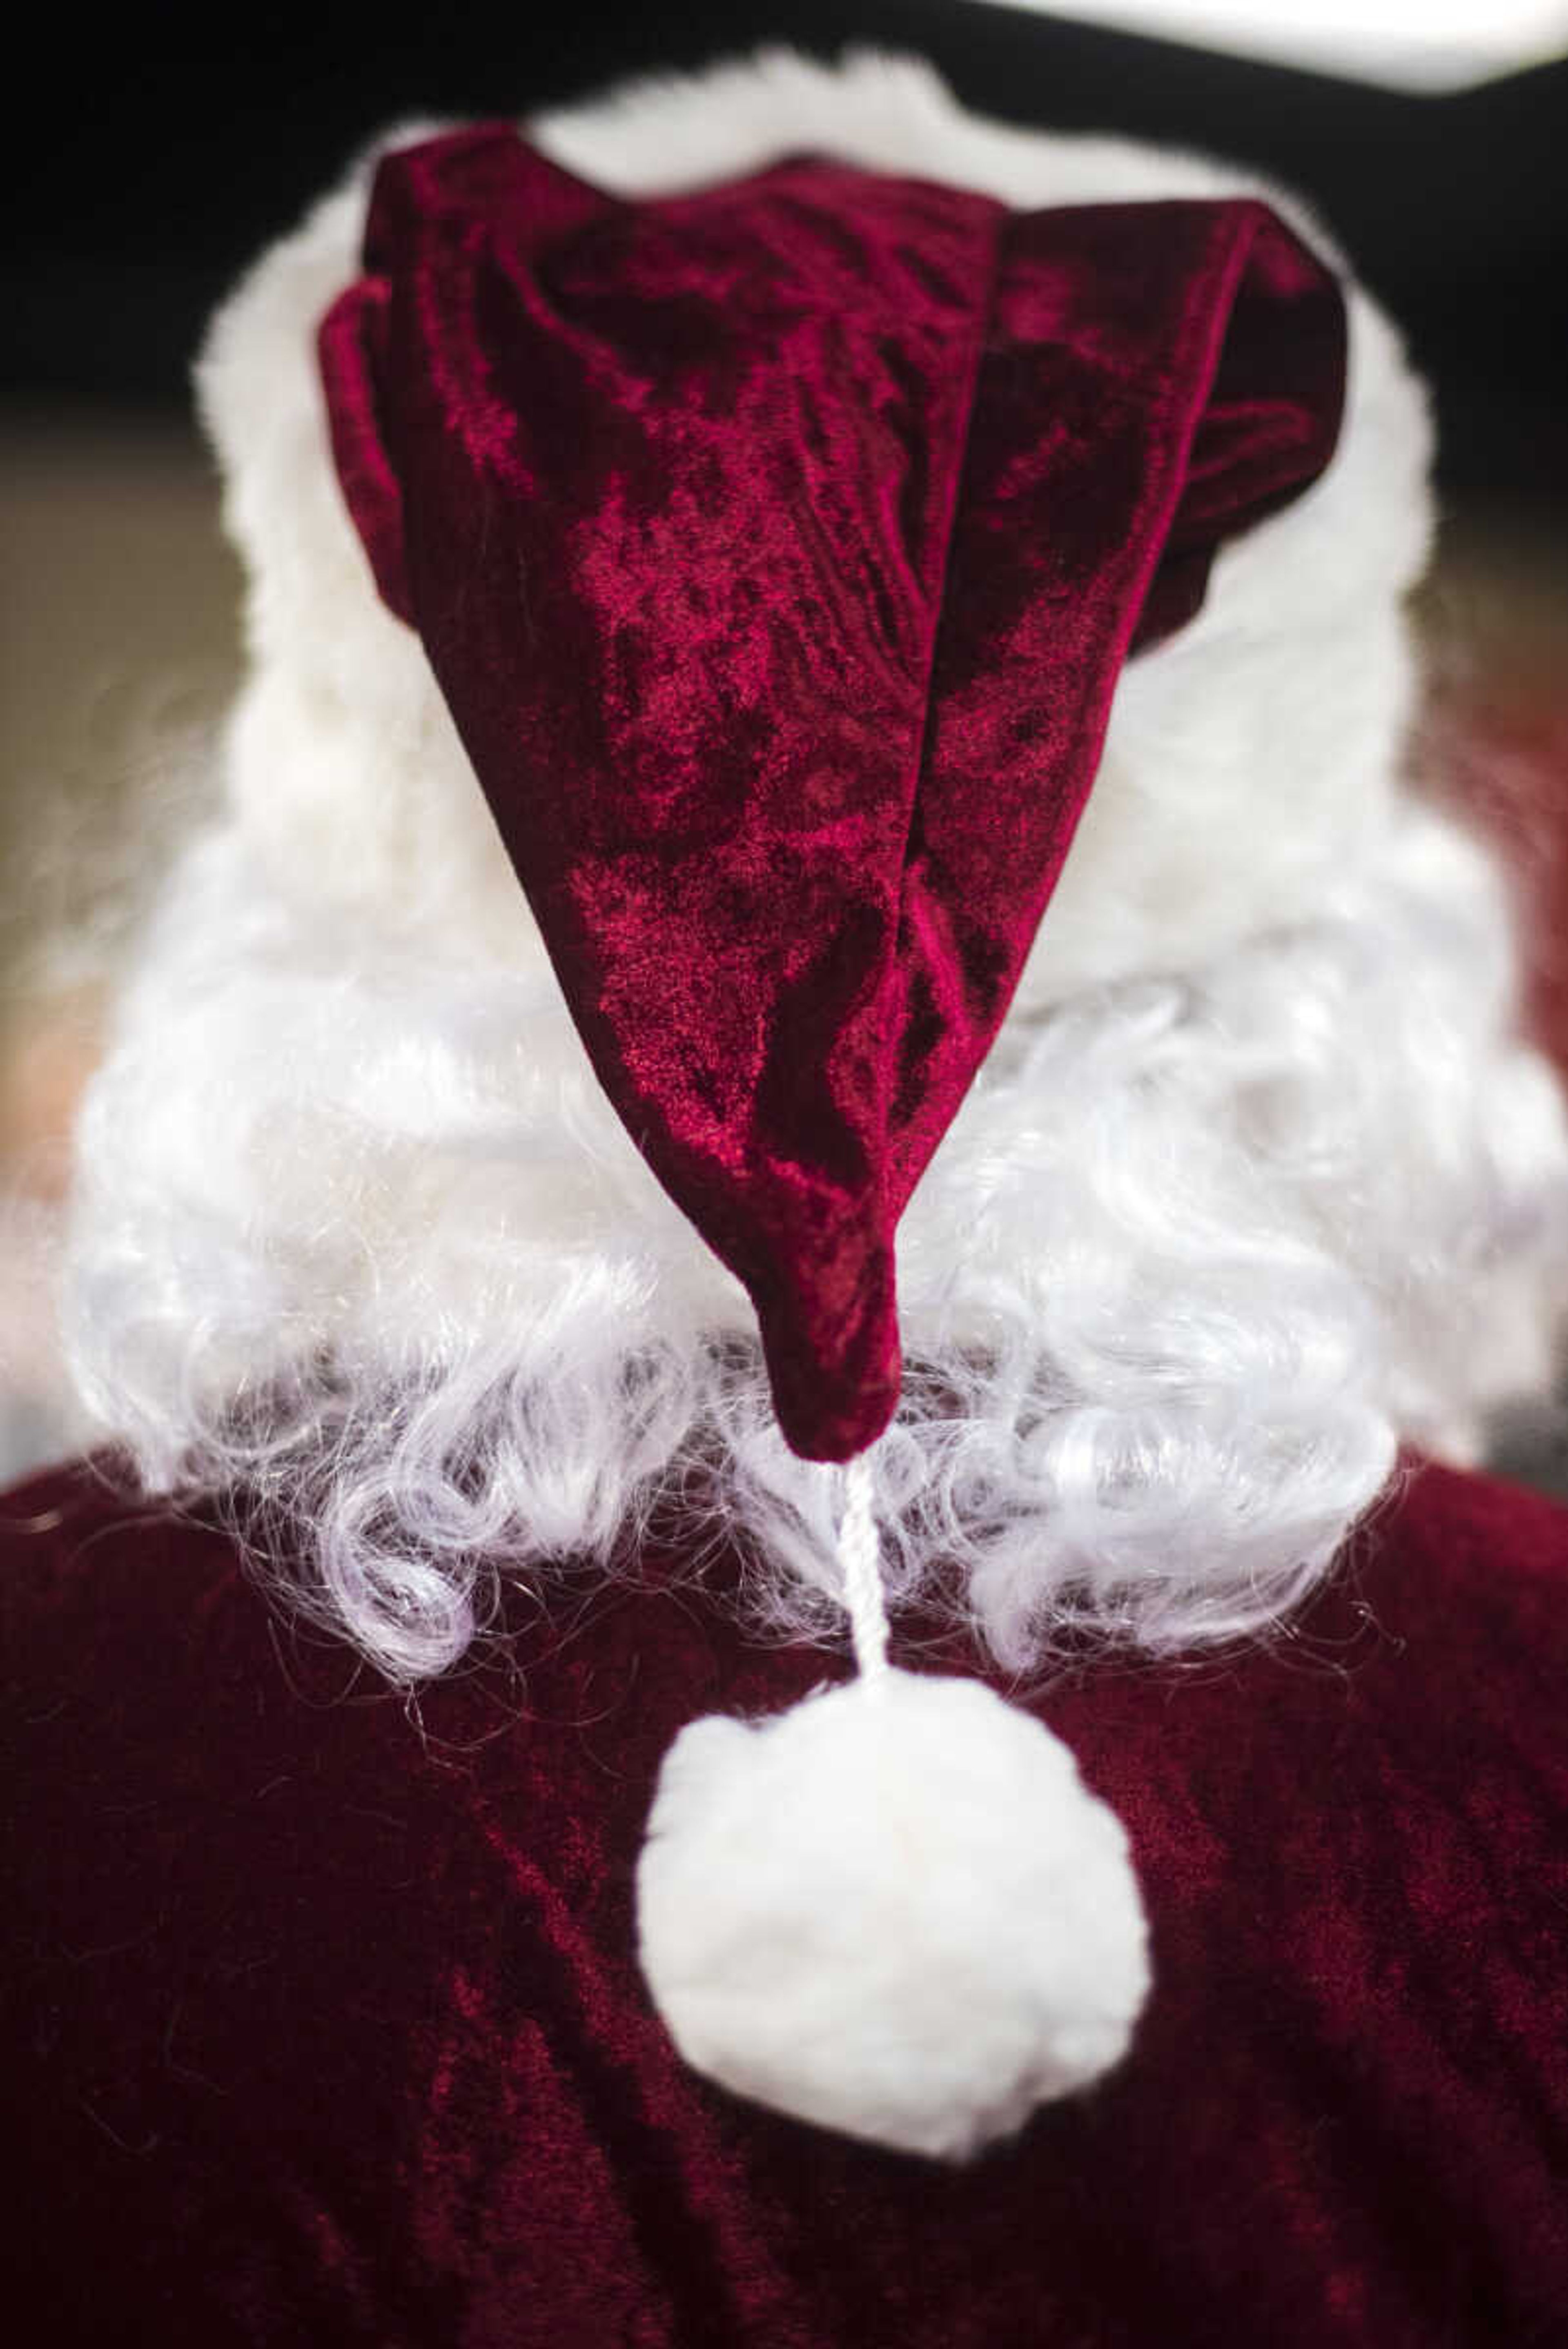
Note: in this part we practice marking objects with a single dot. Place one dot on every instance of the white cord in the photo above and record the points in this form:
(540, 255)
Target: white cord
(860, 1564)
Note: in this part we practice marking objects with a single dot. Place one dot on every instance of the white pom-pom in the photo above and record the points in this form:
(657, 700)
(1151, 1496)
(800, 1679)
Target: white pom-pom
(895, 1910)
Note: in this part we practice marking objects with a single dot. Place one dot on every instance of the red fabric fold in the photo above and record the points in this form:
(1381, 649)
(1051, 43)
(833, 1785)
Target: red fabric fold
(777, 548)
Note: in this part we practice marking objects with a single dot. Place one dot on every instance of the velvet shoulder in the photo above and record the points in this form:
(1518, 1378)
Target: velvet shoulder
(343, 1992)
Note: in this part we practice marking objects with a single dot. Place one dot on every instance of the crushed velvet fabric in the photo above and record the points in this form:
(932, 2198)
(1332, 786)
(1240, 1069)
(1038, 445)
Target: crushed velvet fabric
(776, 548)
(323, 2023)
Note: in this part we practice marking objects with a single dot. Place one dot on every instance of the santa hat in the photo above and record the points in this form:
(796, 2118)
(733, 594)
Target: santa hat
(771, 513)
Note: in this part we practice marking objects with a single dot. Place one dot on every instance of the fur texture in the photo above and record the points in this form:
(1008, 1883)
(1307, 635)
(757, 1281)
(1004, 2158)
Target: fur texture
(893, 1910)
(1257, 1183)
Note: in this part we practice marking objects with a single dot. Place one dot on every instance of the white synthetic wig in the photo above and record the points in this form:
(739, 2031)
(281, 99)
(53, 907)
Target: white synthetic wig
(1258, 1184)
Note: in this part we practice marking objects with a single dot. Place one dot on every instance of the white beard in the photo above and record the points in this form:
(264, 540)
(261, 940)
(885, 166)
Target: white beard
(1257, 1183)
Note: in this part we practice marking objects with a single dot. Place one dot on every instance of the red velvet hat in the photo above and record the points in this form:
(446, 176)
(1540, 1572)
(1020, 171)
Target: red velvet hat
(777, 548)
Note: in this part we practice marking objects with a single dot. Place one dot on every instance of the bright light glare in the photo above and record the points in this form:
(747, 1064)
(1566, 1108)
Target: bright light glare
(1421, 45)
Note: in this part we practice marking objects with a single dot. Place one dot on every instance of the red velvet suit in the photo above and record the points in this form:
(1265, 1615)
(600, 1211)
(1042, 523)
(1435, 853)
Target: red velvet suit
(324, 2023)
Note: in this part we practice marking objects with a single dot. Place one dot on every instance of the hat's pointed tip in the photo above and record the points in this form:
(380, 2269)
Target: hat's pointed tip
(836, 1374)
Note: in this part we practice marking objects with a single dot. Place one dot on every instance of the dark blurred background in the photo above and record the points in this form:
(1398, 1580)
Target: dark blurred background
(152, 160)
